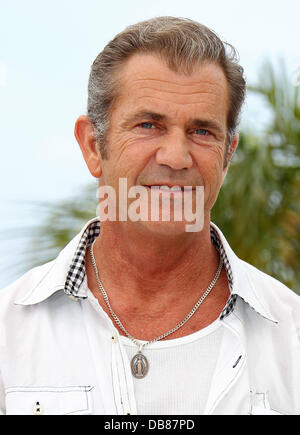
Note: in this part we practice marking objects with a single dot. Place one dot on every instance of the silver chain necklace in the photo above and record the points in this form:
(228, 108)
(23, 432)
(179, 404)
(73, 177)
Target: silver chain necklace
(139, 363)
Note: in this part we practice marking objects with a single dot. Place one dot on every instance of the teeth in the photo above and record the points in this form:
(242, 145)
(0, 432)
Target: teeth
(173, 188)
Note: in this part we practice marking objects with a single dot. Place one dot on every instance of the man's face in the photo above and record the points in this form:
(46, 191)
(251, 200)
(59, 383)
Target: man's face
(168, 128)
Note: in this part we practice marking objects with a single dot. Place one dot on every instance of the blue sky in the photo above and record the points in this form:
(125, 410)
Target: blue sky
(46, 49)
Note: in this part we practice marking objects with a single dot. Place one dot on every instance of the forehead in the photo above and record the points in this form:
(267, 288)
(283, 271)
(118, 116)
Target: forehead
(145, 81)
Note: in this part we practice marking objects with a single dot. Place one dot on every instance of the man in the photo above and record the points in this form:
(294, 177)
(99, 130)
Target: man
(159, 320)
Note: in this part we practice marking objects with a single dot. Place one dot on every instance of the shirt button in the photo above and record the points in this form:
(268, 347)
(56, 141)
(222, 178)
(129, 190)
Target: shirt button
(37, 409)
(114, 338)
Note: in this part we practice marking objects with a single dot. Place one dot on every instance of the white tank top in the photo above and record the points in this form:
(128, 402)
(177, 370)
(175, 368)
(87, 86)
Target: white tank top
(180, 372)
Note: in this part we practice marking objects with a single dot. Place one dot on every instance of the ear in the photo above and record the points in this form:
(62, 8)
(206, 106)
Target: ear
(228, 157)
(85, 136)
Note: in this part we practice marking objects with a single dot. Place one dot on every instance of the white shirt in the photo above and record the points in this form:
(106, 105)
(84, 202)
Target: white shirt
(180, 372)
(63, 355)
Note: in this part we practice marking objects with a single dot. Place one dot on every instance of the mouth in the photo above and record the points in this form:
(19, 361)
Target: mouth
(170, 188)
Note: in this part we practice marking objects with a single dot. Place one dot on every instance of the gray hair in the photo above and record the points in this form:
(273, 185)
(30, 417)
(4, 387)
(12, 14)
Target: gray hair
(182, 43)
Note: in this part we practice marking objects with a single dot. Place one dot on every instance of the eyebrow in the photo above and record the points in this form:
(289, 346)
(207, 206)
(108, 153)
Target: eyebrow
(207, 124)
(198, 123)
(139, 116)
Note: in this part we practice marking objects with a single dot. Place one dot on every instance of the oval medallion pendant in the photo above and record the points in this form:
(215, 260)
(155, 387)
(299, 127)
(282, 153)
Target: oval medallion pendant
(139, 365)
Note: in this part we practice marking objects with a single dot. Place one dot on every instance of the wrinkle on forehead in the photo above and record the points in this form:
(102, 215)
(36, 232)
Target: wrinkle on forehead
(212, 97)
(162, 95)
(170, 86)
(177, 91)
(174, 102)
(174, 82)
(143, 73)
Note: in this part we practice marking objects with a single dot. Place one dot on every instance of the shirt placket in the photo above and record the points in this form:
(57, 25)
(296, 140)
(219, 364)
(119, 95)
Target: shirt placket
(122, 379)
(230, 366)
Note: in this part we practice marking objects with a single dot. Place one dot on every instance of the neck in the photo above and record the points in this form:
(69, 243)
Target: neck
(153, 282)
(146, 259)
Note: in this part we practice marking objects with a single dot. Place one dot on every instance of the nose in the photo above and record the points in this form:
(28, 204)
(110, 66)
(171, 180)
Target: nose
(174, 152)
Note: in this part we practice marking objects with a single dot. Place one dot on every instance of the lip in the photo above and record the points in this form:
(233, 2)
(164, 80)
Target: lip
(169, 186)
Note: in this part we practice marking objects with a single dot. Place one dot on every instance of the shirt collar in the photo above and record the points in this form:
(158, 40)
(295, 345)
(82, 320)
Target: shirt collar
(242, 284)
(57, 273)
(67, 273)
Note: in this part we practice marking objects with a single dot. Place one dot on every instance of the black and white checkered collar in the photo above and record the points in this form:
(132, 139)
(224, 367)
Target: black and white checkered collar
(67, 273)
(76, 272)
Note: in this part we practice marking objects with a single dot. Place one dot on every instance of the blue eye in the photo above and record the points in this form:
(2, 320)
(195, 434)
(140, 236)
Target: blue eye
(201, 131)
(147, 125)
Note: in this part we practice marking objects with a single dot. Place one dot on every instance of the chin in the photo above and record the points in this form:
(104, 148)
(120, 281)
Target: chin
(163, 228)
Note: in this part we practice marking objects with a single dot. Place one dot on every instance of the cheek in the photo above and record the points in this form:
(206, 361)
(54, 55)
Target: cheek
(210, 160)
(211, 168)
(127, 157)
